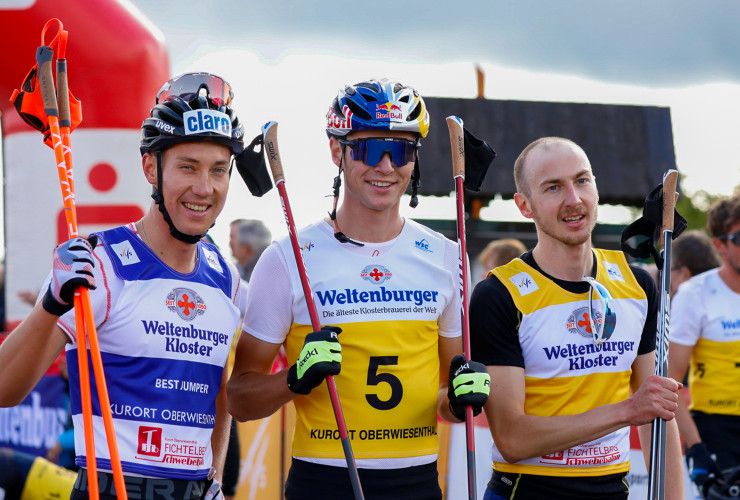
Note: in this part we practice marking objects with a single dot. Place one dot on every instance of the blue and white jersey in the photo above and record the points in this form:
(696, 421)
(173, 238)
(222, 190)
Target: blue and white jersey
(164, 339)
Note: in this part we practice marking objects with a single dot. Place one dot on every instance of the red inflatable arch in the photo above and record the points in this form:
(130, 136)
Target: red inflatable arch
(117, 60)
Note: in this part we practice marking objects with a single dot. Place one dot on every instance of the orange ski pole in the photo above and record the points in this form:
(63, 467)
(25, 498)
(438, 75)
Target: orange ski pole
(44, 58)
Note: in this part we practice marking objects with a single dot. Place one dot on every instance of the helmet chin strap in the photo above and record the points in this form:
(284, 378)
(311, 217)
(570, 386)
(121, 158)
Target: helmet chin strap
(338, 234)
(159, 200)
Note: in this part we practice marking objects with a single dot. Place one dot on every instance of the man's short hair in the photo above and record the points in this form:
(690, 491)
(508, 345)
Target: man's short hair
(695, 251)
(519, 177)
(254, 233)
(724, 214)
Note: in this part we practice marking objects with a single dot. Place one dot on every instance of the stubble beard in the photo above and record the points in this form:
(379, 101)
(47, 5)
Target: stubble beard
(568, 239)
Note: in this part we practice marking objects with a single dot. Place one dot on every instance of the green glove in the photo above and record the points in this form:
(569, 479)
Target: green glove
(320, 357)
(469, 385)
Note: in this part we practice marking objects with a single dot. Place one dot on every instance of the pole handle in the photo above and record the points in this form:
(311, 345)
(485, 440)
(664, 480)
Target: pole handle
(44, 57)
(457, 143)
(269, 134)
(670, 196)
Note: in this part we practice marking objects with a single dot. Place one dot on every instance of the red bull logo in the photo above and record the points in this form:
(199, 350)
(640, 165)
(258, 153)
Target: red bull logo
(334, 123)
(388, 111)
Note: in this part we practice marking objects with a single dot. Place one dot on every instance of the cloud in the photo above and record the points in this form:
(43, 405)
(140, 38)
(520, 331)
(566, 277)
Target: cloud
(655, 43)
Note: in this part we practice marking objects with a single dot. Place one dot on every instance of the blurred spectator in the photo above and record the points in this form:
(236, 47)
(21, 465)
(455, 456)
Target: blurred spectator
(692, 253)
(498, 253)
(705, 342)
(248, 238)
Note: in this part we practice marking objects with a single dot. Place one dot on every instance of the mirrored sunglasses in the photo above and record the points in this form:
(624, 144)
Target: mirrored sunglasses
(371, 150)
(734, 238)
(602, 330)
(187, 87)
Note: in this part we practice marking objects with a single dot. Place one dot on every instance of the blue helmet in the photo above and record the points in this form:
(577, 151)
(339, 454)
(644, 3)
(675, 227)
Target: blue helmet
(377, 105)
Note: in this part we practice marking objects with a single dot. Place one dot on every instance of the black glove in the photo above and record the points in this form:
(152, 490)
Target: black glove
(702, 465)
(469, 385)
(72, 268)
(320, 357)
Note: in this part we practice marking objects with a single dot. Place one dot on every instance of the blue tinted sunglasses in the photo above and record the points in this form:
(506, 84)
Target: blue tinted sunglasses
(602, 331)
(734, 238)
(371, 150)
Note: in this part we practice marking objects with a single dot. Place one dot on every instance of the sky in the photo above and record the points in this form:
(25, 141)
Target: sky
(286, 60)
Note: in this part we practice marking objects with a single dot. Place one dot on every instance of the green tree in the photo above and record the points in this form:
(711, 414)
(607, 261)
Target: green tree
(694, 208)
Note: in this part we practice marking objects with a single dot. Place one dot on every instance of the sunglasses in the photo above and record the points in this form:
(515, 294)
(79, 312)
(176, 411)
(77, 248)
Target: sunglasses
(734, 238)
(604, 330)
(187, 87)
(371, 150)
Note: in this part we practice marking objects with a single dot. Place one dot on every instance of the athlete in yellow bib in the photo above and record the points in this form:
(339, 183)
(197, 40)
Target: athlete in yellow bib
(568, 334)
(705, 340)
(389, 287)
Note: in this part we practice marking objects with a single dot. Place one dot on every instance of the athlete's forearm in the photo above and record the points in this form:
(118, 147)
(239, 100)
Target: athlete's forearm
(221, 431)
(523, 436)
(252, 396)
(674, 474)
(686, 425)
(443, 406)
(27, 353)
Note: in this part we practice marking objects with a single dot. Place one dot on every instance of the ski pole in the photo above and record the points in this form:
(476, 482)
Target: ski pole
(457, 143)
(44, 57)
(269, 133)
(656, 483)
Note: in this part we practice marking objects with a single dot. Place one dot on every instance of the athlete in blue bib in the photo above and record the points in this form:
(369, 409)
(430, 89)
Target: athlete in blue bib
(164, 308)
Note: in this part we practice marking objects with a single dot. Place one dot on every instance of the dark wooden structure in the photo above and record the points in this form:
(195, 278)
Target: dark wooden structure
(630, 148)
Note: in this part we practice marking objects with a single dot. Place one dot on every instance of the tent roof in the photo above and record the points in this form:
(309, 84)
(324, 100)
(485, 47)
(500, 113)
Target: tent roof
(630, 147)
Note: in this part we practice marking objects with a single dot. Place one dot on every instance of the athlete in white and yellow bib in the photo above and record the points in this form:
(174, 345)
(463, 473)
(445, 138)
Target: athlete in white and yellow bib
(705, 340)
(568, 334)
(391, 286)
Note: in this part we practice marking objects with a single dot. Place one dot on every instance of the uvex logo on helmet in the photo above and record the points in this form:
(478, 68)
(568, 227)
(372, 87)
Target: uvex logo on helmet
(200, 121)
(165, 127)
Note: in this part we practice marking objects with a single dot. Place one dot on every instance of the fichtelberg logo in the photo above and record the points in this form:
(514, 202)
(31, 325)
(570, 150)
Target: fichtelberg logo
(150, 441)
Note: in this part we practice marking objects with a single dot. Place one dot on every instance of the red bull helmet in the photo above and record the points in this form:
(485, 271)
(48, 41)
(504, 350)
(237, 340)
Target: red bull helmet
(377, 105)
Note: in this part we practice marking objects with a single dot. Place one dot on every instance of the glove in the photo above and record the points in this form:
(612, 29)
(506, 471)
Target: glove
(702, 466)
(214, 491)
(72, 267)
(469, 385)
(320, 357)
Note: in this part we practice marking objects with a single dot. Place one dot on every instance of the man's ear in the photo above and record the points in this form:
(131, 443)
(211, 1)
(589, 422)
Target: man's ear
(336, 151)
(149, 164)
(522, 203)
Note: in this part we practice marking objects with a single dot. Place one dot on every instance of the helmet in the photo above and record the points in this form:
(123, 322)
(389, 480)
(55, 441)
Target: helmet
(192, 107)
(377, 105)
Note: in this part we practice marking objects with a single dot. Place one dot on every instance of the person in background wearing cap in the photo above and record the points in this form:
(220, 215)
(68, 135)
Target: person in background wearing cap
(390, 288)
(248, 238)
(567, 332)
(163, 302)
(705, 341)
